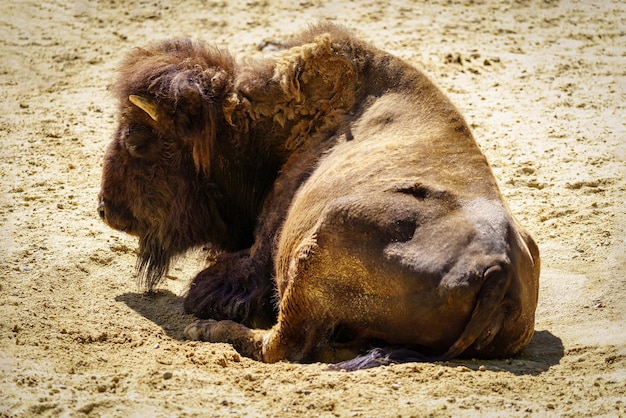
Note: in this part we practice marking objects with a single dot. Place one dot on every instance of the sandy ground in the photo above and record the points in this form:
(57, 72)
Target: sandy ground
(542, 83)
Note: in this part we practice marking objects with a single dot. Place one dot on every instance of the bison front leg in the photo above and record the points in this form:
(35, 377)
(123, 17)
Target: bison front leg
(284, 341)
(235, 287)
(246, 341)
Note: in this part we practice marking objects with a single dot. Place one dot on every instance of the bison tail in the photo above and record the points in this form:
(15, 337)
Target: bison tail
(487, 316)
(380, 357)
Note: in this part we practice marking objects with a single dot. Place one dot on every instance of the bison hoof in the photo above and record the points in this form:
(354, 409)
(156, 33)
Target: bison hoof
(201, 330)
(211, 331)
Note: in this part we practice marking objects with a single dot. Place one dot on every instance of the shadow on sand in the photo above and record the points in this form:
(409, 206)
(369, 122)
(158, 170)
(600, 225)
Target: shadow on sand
(165, 309)
(162, 307)
(544, 351)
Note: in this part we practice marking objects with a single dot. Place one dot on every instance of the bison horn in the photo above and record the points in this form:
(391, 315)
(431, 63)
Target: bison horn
(145, 105)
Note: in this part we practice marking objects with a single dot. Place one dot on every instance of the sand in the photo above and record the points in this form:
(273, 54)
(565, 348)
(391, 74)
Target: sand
(543, 86)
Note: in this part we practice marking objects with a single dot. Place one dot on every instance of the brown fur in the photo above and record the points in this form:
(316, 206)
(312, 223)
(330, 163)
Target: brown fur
(201, 173)
(338, 169)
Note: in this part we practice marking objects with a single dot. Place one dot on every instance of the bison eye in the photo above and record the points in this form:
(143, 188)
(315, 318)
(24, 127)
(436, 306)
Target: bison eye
(140, 141)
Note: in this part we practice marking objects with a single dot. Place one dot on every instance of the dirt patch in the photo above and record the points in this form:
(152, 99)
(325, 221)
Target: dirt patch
(542, 85)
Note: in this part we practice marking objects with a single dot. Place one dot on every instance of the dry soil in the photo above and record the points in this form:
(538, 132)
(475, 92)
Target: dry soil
(543, 85)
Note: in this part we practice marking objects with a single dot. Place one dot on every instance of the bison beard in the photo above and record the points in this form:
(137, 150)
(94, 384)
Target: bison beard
(354, 208)
(153, 261)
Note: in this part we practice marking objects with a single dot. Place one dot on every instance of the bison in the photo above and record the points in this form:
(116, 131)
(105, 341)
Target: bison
(344, 198)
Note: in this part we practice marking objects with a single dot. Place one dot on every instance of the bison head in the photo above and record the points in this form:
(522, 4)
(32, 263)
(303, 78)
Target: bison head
(156, 181)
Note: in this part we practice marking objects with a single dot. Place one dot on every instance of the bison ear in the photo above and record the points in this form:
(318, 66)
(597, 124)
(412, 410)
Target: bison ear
(195, 119)
(206, 98)
(145, 105)
(204, 140)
